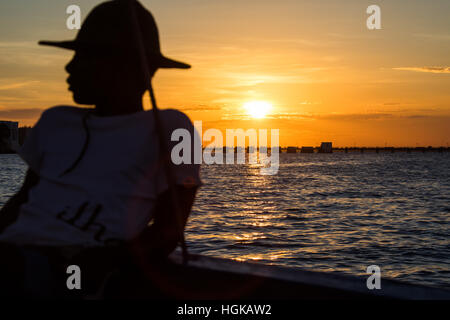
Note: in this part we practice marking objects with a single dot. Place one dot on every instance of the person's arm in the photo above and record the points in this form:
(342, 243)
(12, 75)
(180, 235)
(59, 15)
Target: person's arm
(10, 211)
(162, 237)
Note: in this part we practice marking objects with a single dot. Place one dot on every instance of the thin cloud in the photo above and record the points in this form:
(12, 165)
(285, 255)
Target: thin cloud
(18, 44)
(17, 85)
(438, 37)
(350, 116)
(202, 108)
(425, 69)
(356, 116)
(371, 116)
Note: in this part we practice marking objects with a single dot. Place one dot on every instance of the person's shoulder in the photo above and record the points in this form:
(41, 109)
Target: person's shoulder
(63, 110)
(61, 113)
(176, 118)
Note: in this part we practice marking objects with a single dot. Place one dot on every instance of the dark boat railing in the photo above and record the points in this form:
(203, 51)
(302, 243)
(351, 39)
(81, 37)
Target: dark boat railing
(254, 280)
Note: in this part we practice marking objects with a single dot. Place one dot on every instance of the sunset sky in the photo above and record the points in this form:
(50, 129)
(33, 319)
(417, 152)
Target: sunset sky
(327, 77)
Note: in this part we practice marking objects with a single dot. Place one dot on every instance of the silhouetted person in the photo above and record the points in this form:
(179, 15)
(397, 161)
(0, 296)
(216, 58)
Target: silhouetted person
(95, 175)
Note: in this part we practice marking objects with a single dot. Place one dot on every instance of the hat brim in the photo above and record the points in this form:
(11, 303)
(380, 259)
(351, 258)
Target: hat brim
(160, 60)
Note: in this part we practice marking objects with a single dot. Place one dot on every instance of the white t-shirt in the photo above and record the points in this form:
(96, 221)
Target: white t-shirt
(111, 193)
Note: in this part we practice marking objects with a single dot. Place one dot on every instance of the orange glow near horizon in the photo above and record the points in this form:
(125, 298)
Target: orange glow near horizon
(328, 77)
(257, 109)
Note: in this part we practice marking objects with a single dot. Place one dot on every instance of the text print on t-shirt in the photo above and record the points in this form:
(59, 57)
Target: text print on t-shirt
(76, 216)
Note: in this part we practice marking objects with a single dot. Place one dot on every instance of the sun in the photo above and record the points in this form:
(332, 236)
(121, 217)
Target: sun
(257, 109)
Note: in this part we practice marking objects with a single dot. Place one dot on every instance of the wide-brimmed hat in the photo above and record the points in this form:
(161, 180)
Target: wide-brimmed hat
(109, 26)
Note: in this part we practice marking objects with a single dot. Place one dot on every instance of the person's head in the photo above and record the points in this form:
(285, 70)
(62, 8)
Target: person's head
(98, 76)
(108, 48)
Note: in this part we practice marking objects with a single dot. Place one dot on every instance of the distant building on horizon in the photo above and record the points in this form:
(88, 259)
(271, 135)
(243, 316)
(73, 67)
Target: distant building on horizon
(291, 150)
(307, 150)
(23, 134)
(9, 136)
(326, 147)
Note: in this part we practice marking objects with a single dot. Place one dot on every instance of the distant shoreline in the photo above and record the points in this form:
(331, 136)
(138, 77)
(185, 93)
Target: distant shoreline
(348, 150)
(292, 149)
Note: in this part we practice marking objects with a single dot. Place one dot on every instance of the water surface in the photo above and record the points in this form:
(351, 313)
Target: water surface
(325, 212)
